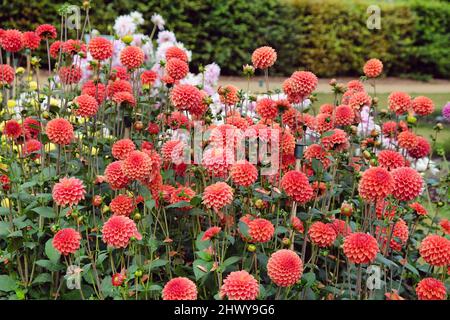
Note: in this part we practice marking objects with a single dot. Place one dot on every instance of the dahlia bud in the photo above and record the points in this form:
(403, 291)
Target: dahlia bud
(377, 143)
(367, 155)
(118, 279)
(259, 204)
(354, 130)
(138, 125)
(86, 5)
(346, 209)
(286, 241)
(20, 70)
(97, 201)
(373, 162)
(138, 273)
(251, 248)
(35, 61)
(248, 70)
(440, 204)
(333, 82)
(375, 100)
(137, 217)
(45, 115)
(105, 209)
(383, 112)
(54, 228)
(374, 133)
(439, 126)
(127, 39)
(80, 219)
(411, 119)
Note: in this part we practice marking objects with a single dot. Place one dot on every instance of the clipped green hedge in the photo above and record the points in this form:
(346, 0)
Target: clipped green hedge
(329, 37)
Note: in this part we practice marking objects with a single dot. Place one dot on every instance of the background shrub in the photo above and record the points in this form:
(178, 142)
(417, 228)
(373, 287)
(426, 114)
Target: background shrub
(329, 37)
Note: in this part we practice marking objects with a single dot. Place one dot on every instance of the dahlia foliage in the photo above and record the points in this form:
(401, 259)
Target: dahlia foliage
(156, 183)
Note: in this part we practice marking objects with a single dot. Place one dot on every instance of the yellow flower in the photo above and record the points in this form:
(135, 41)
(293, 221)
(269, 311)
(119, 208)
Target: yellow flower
(11, 104)
(50, 147)
(3, 167)
(55, 102)
(20, 70)
(5, 203)
(33, 85)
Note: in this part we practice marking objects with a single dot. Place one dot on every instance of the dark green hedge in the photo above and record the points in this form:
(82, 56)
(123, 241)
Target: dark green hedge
(329, 37)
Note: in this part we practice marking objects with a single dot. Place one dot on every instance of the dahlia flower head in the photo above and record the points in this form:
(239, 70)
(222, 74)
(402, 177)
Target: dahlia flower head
(6, 74)
(240, 285)
(66, 241)
(344, 115)
(297, 224)
(70, 75)
(122, 205)
(408, 183)
(210, 233)
(399, 102)
(86, 106)
(322, 234)
(132, 57)
(182, 194)
(407, 140)
(218, 161)
(421, 150)
(177, 69)
(186, 97)
(359, 100)
(172, 151)
(138, 165)
(431, 289)
(435, 250)
(284, 268)
(423, 106)
(121, 149)
(31, 146)
(68, 191)
(260, 230)
(399, 236)
(96, 90)
(300, 84)
(336, 140)
(100, 48)
(360, 248)
(266, 108)
(60, 131)
(390, 159)
(115, 176)
(175, 52)
(119, 230)
(218, 195)
(11, 40)
(296, 186)
(118, 85)
(228, 95)
(46, 31)
(12, 129)
(446, 111)
(373, 68)
(376, 183)
(243, 173)
(124, 98)
(180, 288)
(30, 40)
(264, 57)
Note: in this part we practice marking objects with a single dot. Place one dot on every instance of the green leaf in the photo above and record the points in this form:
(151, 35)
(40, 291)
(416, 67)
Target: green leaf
(51, 252)
(50, 266)
(7, 283)
(42, 278)
(230, 261)
(310, 279)
(180, 204)
(380, 258)
(4, 228)
(243, 228)
(204, 255)
(150, 204)
(201, 268)
(281, 229)
(156, 264)
(46, 212)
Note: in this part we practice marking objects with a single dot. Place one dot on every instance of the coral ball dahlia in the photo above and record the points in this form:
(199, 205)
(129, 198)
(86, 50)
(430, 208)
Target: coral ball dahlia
(175, 52)
(264, 57)
(407, 140)
(6, 74)
(435, 250)
(423, 106)
(46, 31)
(12, 129)
(285, 268)
(11, 40)
(390, 159)
(68, 191)
(376, 183)
(322, 234)
(431, 289)
(344, 115)
(373, 68)
(121, 149)
(399, 102)
(244, 174)
(260, 230)
(186, 97)
(60, 131)
(408, 183)
(86, 106)
(31, 40)
(122, 205)
(240, 285)
(137, 166)
(115, 176)
(296, 185)
(180, 288)
(100, 48)
(267, 108)
(132, 57)
(177, 69)
(336, 140)
(217, 195)
(118, 231)
(70, 75)
(422, 148)
(67, 241)
(302, 83)
(360, 247)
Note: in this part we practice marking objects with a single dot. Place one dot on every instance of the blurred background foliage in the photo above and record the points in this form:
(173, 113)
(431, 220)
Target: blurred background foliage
(328, 37)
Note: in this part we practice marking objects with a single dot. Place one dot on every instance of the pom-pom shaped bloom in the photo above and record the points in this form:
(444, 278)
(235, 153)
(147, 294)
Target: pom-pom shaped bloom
(355, 85)
(217, 161)
(172, 151)
(121, 149)
(373, 68)
(6, 74)
(445, 225)
(446, 111)
(120, 72)
(122, 205)
(399, 237)
(418, 209)
(360, 247)
(240, 285)
(431, 289)
(31, 40)
(376, 183)
(389, 128)
(423, 106)
(132, 57)
(59, 131)
(55, 48)
(302, 83)
(335, 139)
(244, 174)
(67, 241)
(96, 90)
(115, 176)
(217, 196)
(12, 129)
(266, 108)
(435, 250)
(148, 77)
(407, 140)
(100, 48)
(422, 148)
(228, 95)
(399, 102)
(180, 288)
(322, 234)
(359, 99)
(285, 268)
(408, 183)
(86, 106)
(344, 115)
(341, 227)
(260, 230)
(324, 122)
(211, 233)
(137, 166)
(70, 75)
(11, 40)
(177, 69)
(73, 47)
(264, 57)
(124, 99)
(175, 52)
(296, 185)
(186, 97)
(46, 31)
(68, 191)
(182, 194)
(326, 108)
(119, 86)
(31, 145)
(390, 159)
(118, 231)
